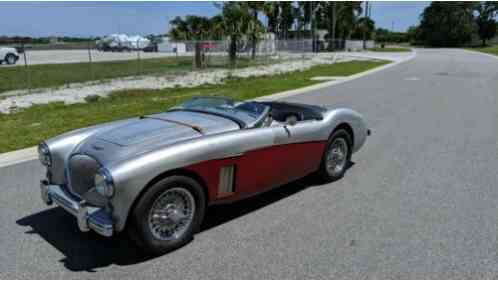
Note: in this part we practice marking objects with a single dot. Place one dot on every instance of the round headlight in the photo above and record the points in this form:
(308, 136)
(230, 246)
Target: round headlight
(44, 154)
(104, 184)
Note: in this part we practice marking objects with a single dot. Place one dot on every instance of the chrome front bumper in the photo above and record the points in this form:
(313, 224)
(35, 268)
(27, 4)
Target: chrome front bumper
(89, 217)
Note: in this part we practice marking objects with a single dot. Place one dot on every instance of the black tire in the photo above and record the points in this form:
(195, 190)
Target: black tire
(139, 230)
(324, 174)
(10, 59)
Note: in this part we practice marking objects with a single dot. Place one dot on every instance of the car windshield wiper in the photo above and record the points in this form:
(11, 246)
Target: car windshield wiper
(193, 127)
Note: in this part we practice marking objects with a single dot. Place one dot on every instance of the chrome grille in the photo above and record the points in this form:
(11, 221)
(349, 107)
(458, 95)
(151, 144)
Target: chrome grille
(82, 170)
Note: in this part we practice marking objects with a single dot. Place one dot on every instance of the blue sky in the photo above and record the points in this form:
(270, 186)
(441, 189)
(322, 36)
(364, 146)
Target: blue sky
(101, 18)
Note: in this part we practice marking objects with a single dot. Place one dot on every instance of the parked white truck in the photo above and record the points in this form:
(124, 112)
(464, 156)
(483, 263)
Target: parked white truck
(8, 55)
(122, 43)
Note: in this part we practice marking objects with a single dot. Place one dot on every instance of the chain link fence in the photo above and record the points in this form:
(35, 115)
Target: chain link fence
(62, 64)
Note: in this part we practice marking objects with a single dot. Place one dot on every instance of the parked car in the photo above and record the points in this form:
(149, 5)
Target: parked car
(121, 43)
(8, 55)
(154, 175)
(151, 48)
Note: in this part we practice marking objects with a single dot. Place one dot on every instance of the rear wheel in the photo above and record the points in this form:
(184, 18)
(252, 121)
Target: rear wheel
(10, 59)
(168, 214)
(336, 157)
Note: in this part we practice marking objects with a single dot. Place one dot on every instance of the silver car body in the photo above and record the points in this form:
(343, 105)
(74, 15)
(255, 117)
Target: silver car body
(138, 151)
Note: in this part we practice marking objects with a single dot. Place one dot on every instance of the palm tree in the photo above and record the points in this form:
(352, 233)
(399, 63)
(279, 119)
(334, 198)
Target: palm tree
(271, 10)
(485, 20)
(281, 17)
(255, 26)
(365, 27)
(286, 19)
(348, 17)
(191, 28)
(339, 18)
(236, 19)
(216, 27)
(179, 30)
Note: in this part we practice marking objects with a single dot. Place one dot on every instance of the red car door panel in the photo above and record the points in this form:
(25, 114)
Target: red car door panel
(263, 168)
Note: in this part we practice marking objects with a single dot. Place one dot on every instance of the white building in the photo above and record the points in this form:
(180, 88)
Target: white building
(167, 46)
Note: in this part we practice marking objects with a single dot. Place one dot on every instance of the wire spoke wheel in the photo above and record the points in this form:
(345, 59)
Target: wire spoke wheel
(171, 214)
(337, 157)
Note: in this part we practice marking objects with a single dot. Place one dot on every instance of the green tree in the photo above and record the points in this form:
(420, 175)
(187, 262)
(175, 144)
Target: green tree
(383, 35)
(412, 35)
(255, 26)
(305, 12)
(271, 10)
(346, 20)
(447, 24)
(281, 16)
(217, 30)
(364, 26)
(330, 14)
(485, 20)
(236, 19)
(191, 28)
(286, 19)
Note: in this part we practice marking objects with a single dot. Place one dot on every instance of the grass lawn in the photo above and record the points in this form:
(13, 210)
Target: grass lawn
(390, 49)
(55, 75)
(493, 50)
(32, 125)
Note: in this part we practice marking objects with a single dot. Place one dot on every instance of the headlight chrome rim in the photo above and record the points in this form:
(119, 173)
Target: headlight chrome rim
(104, 184)
(44, 154)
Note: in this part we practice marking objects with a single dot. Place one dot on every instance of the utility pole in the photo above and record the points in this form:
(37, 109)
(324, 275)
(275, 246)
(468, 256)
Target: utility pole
(365, 26)
(333, 24)
(312, 26)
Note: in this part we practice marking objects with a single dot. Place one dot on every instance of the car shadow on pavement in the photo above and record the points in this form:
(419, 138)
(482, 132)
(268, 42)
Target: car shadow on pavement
(89, 251)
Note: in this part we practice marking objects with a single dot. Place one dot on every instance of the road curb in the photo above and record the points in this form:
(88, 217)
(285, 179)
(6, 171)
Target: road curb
(303, 90)
(18, 156)
(31, 153)
(480, 53)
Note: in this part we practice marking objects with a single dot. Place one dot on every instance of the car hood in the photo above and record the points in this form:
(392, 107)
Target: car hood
(141, 135)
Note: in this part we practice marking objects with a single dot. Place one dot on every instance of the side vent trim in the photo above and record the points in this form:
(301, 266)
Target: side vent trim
(227, 180)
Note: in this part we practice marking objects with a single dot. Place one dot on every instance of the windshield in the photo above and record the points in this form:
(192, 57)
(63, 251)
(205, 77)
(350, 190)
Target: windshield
(246, 114)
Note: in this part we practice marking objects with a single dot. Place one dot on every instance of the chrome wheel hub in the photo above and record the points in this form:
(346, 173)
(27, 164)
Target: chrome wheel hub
(337, 156)
(171, 214)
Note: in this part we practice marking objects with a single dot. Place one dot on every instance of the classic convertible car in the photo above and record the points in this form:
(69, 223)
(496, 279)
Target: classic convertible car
(155, 175)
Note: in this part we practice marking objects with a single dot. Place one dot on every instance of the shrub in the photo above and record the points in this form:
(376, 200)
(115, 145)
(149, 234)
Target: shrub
(92, 98)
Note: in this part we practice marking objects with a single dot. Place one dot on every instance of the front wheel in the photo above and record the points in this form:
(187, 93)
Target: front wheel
(336, 157)
(168, 214)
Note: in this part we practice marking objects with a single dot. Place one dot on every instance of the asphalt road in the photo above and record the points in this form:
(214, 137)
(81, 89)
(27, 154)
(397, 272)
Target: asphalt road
(419, 202)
